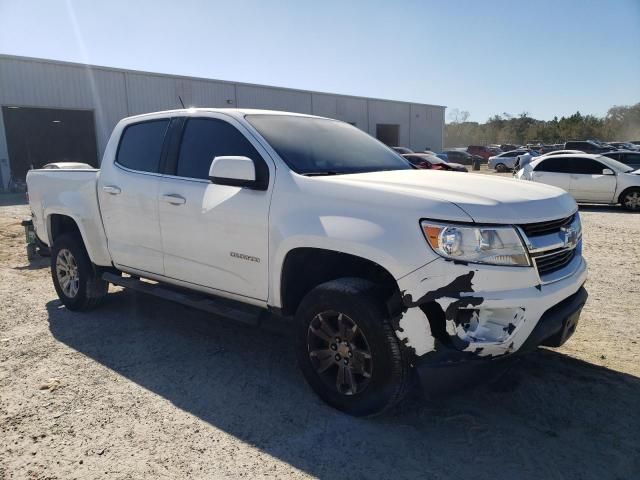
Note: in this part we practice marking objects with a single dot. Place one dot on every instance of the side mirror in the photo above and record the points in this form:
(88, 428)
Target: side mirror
(233, 170)
(607, 171)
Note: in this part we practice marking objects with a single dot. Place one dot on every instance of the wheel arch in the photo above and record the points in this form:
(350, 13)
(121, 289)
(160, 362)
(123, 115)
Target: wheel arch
(304, 268)
(60, 223)
(625, 191)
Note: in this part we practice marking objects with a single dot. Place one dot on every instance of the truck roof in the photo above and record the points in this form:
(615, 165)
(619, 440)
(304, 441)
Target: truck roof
(235, 112)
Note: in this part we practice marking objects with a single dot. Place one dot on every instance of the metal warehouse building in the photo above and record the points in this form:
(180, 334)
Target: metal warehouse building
(60, 111)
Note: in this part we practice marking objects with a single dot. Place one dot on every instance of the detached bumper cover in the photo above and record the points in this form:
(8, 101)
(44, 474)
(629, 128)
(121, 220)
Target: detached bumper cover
(458, 312)
(449, 369)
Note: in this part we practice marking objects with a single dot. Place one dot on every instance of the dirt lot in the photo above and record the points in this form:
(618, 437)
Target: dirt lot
(142, 388)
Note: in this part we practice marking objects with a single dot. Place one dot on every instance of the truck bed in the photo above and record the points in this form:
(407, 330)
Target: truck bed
(71, 193)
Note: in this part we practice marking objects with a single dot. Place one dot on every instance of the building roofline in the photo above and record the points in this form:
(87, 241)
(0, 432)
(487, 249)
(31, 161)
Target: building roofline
(204, 79)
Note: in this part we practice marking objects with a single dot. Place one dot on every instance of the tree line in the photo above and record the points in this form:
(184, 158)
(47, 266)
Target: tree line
(621, 123)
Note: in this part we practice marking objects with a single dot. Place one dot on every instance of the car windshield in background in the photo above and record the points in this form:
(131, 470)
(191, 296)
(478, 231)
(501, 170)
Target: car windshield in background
(615, 165)
(318, 146)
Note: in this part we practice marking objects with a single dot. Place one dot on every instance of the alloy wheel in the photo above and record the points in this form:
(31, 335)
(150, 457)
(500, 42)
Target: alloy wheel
(339, 352)
(67, 273)
(632, 200)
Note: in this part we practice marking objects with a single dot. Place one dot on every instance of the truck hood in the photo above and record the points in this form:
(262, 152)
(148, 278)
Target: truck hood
(486, 199)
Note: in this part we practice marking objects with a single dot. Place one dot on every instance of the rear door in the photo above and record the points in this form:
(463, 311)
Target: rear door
(589, 184)
(553, 171)
(215, 236)
(127, 191)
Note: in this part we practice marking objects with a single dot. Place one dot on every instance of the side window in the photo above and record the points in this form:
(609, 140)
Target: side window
(632, 158)
(206, 138)
(554, 165)
(141, 145)
(586, 166)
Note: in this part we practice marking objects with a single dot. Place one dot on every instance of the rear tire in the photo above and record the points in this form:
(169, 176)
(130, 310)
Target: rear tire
(75, 278)
(630, 199)
(347, 349)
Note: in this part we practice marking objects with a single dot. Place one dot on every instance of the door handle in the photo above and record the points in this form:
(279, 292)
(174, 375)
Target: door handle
(174, 199)
(111, 189)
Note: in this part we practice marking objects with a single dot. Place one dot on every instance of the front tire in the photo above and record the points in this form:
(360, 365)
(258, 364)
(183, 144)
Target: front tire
(630, 199)
(75, 278)
(347, 349)
(501, 168)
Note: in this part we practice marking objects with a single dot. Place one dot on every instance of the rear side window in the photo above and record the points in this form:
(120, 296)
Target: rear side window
(555, 165)
(141, 145)
(206, 138)
(631, 158)
(586, 166)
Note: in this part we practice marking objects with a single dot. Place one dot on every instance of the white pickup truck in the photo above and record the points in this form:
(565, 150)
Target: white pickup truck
(383, 270)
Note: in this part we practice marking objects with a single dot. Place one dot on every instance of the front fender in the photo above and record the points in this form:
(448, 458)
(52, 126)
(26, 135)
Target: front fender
(359, 237)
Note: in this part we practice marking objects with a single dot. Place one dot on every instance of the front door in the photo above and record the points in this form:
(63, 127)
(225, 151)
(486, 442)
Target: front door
(589, 184)
(215, 236)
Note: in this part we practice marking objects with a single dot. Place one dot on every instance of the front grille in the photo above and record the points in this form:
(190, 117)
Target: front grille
(543, 228)
(550, 262)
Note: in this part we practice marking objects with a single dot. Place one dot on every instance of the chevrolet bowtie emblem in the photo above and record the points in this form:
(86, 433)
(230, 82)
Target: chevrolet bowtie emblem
(570, 236)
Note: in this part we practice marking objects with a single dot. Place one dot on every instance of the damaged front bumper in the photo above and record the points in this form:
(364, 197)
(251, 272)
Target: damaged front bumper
(457, 315)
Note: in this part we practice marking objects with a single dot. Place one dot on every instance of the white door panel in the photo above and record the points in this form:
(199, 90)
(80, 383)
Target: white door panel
(561, 180)
(593, 188)
(218, 237)
(129, 207)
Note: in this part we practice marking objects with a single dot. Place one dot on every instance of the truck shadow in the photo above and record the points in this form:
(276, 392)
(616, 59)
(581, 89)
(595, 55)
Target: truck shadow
(552, 414)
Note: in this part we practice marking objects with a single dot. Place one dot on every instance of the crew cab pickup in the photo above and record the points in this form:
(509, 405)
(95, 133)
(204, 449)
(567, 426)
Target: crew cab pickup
(383, 270)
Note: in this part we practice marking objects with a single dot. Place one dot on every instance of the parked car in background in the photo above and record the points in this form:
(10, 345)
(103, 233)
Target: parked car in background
(443, 156)
(589, 178)
(625, 145)
(460, 156)
(402, 150)
(504, 161)
(547, 149)
(507, 147)
(628, 157)
(425, 161)
(68, 166)
(587, 146)
(480, 151)
(381, 271)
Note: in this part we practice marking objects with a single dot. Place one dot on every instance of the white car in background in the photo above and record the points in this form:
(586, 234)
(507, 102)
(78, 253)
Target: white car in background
(588, 178)
(505, 161)
(560, 152)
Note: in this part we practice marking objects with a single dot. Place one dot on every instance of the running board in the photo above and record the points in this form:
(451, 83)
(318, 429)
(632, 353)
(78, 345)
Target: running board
(246, 314)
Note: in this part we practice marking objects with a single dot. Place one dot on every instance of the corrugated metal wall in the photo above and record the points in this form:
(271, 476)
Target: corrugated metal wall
(113, 94)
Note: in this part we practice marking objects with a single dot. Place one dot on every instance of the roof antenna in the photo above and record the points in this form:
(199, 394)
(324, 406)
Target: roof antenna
(181, 102)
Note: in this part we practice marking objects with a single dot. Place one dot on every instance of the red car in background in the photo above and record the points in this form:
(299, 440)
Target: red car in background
(481, 151)
(425, 161)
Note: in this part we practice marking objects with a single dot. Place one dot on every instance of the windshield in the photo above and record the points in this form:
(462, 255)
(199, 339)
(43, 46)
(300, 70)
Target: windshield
(615, 165)
(318, 146)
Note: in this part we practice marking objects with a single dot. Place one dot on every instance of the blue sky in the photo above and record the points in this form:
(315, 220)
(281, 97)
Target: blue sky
(487, 57)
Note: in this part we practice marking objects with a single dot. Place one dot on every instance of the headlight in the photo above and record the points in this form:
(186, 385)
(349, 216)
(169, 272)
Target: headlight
(493, 245)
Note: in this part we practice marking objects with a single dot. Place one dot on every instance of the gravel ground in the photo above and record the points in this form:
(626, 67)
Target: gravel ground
(145, 389)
